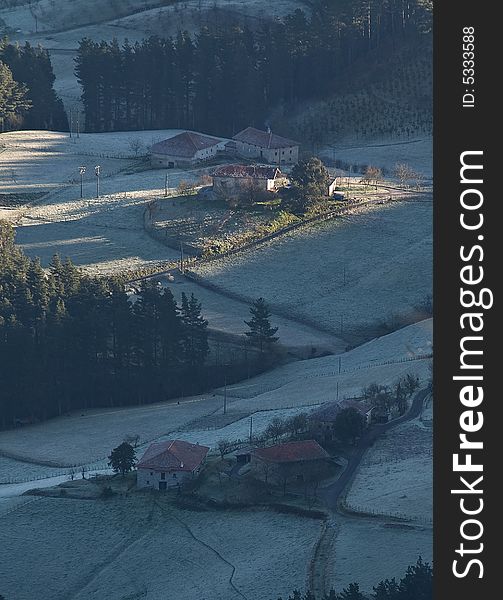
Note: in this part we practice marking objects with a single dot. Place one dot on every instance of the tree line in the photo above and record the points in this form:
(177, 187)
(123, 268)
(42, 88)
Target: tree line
(27, 96)
(69, 340)
(225, 78)
(416, 584)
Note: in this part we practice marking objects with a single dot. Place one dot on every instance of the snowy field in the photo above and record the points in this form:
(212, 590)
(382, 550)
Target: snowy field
(133, 558)
(395, 476)
(418, 154)
(87, 437)
(368, 551)
(106, 235)
(42, 161)
(349, 274)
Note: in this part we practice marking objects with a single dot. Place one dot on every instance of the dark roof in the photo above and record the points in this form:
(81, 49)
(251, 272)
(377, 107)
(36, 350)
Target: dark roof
(330, 410)
(292, 452)
(263, 139)
(173, 455)
(185, 144)
(254, 171)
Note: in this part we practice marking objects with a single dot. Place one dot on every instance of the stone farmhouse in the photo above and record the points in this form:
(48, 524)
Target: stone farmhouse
(266, 147)
(169, 464)
(186, 149)
(233, 179)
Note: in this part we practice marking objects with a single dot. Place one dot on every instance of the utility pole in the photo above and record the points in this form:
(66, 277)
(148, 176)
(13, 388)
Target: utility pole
(78, 123)
(97, 172)
(181, 257)
(337, 392)
(71, 121)
(225, 391)
(340, 360)
(82, 170)
(166, 184)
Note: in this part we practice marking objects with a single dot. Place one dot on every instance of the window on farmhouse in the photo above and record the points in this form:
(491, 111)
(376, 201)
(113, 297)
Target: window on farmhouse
(174, 475)
(163, 475)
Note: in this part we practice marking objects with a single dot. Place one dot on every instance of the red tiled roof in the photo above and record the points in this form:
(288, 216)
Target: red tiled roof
(173, 455)
(292, 452)
(263, 139)
(245, 171)
(185, 144)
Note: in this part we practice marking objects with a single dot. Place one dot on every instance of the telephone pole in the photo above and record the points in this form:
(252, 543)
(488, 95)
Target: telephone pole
(82, 170)
(166, 184)
(97, 172)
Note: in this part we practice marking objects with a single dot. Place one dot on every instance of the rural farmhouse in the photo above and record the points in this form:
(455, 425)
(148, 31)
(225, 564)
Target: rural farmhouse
(168, 464)
(266, 146)
(232, 179)
(186, 149)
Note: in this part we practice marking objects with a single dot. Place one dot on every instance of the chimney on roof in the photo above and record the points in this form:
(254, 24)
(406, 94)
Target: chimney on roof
(268, 129)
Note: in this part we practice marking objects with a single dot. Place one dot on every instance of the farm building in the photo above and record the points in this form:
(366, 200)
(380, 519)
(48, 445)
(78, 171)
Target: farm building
(232, 179)
(323, 419)
(302, 452)
(186, 149)
(266, 146)
(168, 464)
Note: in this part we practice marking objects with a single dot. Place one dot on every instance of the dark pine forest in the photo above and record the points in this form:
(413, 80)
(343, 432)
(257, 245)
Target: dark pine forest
(69, 340)
(225, 78)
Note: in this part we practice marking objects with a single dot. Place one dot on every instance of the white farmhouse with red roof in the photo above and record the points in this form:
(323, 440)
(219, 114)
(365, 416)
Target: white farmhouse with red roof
(168, 464)
(186, 149)
(266, 146)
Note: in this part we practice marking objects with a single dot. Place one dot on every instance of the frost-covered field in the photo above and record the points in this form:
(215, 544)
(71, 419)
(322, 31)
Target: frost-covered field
(142, 550)
(87, 437)
(418, 154)
(350, 273)
(44, 160)
(106, 234)
(395, 476)
(369, 551)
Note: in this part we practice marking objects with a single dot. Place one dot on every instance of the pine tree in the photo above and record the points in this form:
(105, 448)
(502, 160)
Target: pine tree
(417, 584)
(195, 334)
(170, 330)
(122, 459)
(352, 592)
(261, 334)
(386, 590)
(13, 97)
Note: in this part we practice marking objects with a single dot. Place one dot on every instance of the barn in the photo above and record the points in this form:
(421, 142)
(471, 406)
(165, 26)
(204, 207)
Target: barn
(168, 464)
(185, 150)
(266, 146)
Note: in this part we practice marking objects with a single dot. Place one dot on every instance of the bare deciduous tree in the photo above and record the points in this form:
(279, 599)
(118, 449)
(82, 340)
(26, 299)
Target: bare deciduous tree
(136, 144)
(223, 447)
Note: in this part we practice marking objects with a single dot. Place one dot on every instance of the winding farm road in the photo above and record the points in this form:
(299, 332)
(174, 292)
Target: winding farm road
(331, 494)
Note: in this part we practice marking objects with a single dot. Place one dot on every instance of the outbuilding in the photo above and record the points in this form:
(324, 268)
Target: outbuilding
(185, 150)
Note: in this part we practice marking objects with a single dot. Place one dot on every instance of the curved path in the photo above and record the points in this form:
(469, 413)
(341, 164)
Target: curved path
(319, 566)
(331, 494)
